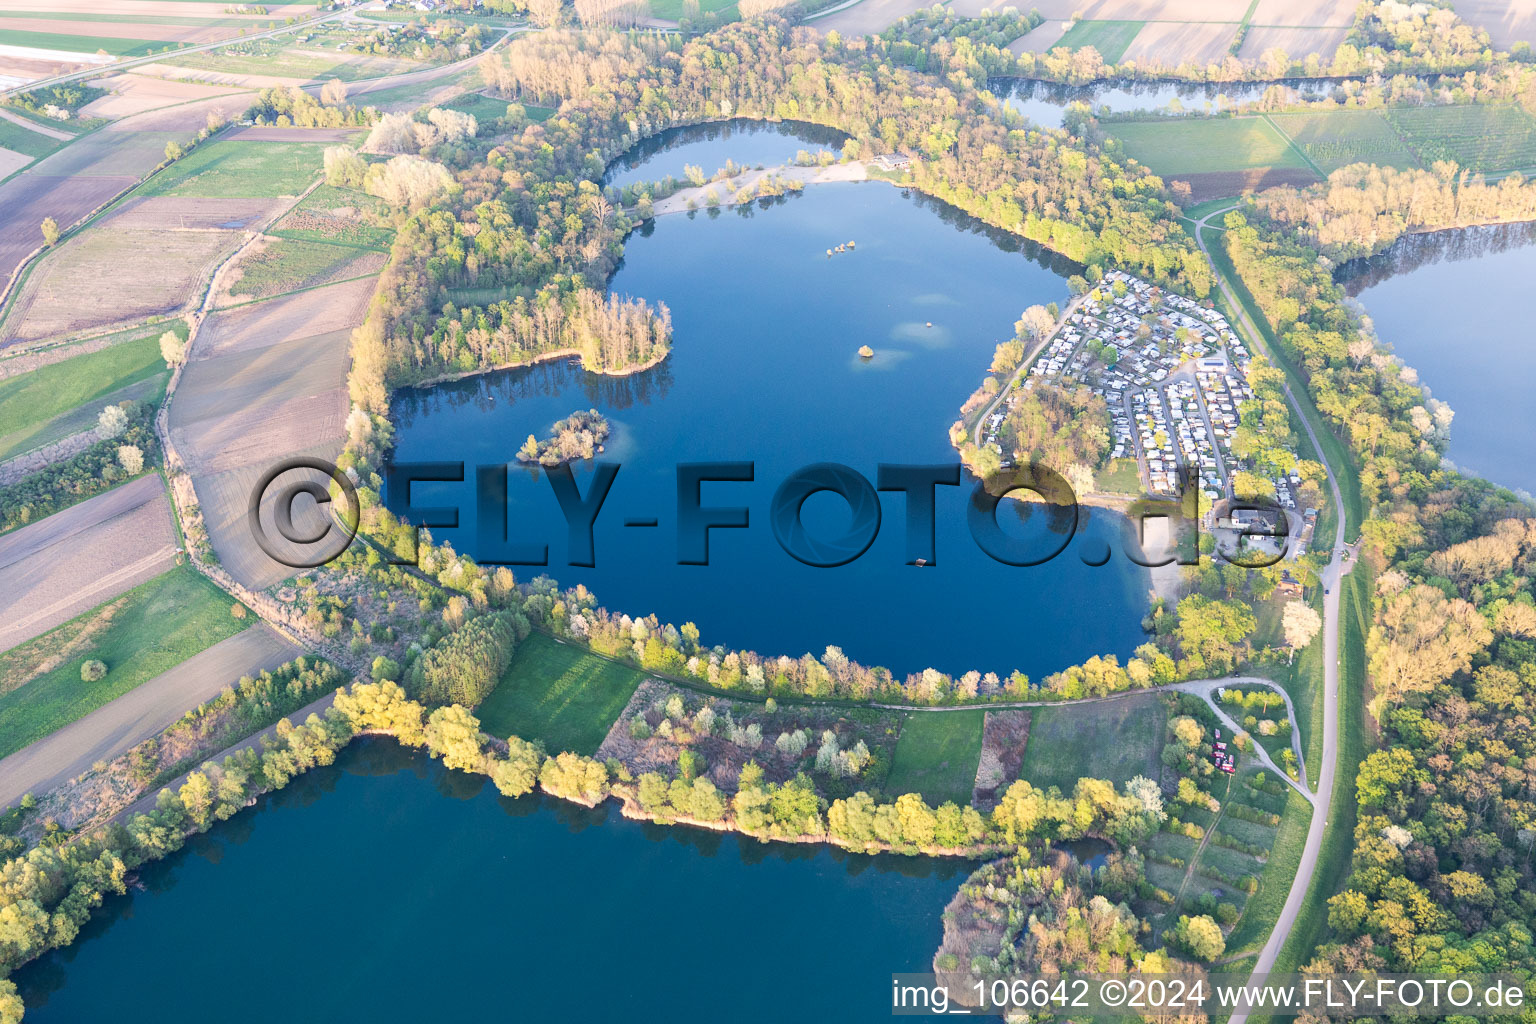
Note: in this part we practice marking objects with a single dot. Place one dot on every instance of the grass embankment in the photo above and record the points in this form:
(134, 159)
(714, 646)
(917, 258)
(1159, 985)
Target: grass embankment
(558, 693)
(1333, 862)
(149, 630)
(52, 402)
(1113, 739)
(240, 170)
(936, 755)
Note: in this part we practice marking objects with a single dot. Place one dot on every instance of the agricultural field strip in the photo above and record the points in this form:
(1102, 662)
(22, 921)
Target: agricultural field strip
(140, 713)
(75, 559)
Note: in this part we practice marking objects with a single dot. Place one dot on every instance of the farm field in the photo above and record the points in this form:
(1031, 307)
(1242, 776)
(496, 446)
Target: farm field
(33, 404)
(1299, 42)
(273, 60)
(1110, 38)
(58, 567)
(1194, 145)
(936, 755)
(1480, 137)
(135, 93)
(146, 631)
(1114, 739)
(1335, 138)
(141, 712)
(562, 694)
(274, 266)
(1221, 156)
(236, 169)
(118, 46)
(867, 17)
(1174, 43)
(189, 238)
(263, 382)
(672, 10)
(25, 141)
(339, 215)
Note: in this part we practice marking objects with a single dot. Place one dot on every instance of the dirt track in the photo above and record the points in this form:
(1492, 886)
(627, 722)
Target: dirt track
(74, 560)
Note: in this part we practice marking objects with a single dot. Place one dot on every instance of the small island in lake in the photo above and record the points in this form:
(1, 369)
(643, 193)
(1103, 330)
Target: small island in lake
(579, 436)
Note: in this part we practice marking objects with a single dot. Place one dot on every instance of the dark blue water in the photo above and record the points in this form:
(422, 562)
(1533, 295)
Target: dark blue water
(709, 146)
(1474, 355)
(387, 889)
(765, 368)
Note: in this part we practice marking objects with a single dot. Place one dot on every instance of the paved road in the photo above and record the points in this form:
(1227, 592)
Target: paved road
(1331, 575)
(142, 712)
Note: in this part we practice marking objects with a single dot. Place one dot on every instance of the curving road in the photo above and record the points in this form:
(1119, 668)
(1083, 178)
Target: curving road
(1331, 575)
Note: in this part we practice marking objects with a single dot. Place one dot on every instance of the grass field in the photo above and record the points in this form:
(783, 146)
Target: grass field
(1333, 861)
(936, 755)
(1113, 739)
(234, 169)
(24, 140)
(560, 694)
(1334, 138)
(139, 635)
(484, 108)
(1110, 38)
(1481, 137)
(115, 45)
(32, 404)
(1200, 145)
(1121, 476)
(340, 216)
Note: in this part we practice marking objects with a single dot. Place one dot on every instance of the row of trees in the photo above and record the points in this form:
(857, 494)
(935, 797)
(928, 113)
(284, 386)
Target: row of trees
(98, 468)
(1387, 37)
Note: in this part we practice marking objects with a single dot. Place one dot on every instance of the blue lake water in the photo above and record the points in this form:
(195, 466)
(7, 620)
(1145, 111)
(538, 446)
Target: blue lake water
(764, 368)
(386, 888)
(709, 146)
(1475, 355)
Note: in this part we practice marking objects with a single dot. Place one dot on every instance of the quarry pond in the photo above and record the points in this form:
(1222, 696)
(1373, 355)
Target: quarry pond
(765, 368)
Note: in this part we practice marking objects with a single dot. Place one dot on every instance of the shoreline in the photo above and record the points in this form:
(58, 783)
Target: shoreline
(543, 357)
(677, 202)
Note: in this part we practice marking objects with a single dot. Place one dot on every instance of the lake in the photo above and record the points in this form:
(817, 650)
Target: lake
(386, 888)
(1045, 103)
(764, 368)
(708, 146)
(1454, 306)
